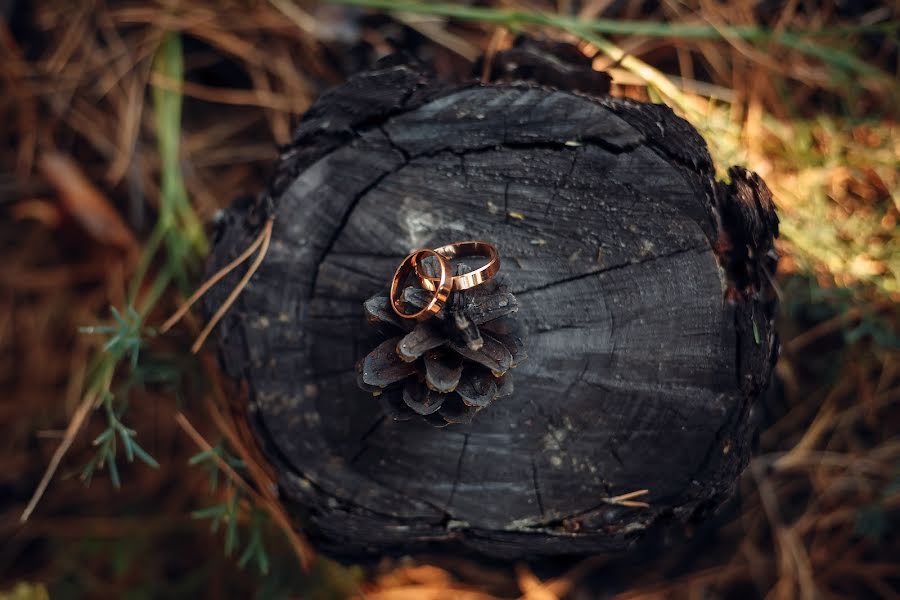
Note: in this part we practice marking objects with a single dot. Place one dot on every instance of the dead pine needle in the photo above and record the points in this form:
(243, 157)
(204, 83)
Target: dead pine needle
(494, 45)
(72, 430)
(201, 442)
(265, 236)
(186, 305)
(262, 243)
(628, 499)
(299, 545)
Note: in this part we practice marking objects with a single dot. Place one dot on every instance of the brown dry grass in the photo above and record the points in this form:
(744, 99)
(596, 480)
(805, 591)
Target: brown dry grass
(819, 505)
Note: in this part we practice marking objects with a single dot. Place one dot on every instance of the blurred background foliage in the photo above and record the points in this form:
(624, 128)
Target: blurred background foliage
(127, 125)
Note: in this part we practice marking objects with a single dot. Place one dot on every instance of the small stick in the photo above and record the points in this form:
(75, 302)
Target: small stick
(266, 237)
(182, 310)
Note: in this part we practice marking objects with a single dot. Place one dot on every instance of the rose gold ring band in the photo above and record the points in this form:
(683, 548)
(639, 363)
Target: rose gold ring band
(462, 250)
(440, 288)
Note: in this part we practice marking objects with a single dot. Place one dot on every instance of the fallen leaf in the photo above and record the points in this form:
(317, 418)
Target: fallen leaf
(85, 202)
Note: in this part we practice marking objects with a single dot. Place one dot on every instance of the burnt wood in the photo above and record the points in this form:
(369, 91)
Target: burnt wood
(642, 292)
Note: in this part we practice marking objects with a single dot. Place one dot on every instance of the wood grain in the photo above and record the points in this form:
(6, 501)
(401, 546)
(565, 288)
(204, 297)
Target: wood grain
(646, 312)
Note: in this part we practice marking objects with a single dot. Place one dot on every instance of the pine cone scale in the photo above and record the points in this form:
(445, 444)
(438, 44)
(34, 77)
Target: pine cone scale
(443, 370)
(478, 388)
(422, 400)
(493, 355)
(420, 340)
(492, 307)
(454, 410)
(378, 309)
(382, 366)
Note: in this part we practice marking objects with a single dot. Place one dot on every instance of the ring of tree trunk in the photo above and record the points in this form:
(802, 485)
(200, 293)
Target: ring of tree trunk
(643, 291)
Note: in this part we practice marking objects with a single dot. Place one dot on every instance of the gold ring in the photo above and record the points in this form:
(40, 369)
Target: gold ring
(440, 290)
(461, 250)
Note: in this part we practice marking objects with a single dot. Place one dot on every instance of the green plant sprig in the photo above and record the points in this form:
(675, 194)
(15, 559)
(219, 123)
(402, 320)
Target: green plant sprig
(106, 446)
(230, 511)
(178, 241)
(207, 459)
(125, 336)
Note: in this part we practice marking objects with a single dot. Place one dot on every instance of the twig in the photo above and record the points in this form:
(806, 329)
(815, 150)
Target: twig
(665, 588)
(831, 325)
(266, 486)
(607, 26)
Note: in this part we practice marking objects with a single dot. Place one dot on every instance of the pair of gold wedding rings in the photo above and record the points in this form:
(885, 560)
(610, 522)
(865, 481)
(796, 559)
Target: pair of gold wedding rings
(442, 284)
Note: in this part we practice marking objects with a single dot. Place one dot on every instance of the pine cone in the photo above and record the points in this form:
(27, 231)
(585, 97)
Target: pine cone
(449, 367)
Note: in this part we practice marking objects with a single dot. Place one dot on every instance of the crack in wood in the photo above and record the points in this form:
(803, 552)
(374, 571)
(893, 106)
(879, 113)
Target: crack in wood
(363, 273)
(456, 478)
(345, 218)
(506, 185)
(363, 445)
(487, 148)
(610, 269)
(561, 182)
(394, 145)
(707, 206)
(288, 469)
(614, 452)
(537, 489)
(579, 379)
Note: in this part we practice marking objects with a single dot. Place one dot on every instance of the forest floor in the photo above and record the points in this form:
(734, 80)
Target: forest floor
(128, 125)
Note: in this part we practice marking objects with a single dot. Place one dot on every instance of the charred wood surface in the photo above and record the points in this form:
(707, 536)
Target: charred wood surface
(642, 290)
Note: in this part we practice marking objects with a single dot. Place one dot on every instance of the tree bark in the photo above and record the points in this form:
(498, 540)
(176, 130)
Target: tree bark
(643, 293)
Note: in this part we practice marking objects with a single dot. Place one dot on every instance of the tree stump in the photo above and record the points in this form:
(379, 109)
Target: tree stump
(643, 292)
